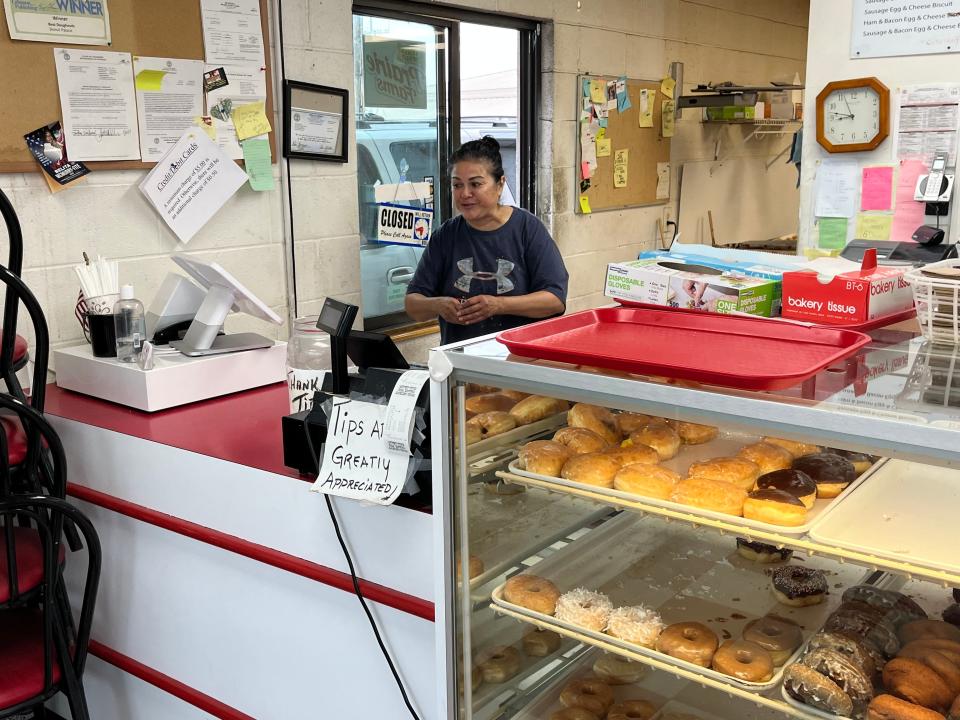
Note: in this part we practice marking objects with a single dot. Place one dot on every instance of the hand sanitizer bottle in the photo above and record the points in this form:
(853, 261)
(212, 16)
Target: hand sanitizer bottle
(128, 321)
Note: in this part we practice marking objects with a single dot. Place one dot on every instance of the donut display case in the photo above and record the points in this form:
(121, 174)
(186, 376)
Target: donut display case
(726, 553)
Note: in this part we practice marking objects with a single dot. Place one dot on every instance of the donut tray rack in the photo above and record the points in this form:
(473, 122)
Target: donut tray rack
(493, 451)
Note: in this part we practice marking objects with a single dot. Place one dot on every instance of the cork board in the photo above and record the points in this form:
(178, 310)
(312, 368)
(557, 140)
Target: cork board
(171, 28)
(646, 145)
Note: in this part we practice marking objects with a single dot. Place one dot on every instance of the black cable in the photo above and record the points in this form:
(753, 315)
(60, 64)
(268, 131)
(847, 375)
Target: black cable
(283, 80)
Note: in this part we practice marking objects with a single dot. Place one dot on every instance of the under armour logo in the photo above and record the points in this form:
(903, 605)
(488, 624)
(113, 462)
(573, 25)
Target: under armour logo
(504, 268)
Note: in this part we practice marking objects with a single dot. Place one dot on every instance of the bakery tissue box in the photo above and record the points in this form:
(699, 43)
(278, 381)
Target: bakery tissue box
(674, 283)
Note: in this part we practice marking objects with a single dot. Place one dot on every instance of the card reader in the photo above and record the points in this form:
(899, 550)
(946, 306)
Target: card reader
(899, 253)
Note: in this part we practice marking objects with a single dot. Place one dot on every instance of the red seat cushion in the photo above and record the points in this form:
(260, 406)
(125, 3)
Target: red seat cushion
(19, 348)
(16, 439)
(21, 657)
(26, 542)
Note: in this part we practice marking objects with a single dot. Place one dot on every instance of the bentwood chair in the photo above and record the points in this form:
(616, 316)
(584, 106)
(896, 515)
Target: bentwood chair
(44, 646)
(13, 347)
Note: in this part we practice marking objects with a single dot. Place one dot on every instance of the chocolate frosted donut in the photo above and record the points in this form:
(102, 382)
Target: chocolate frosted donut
(956, 595)
(795, 482)
(831, 472)
(857, 652)
(816, 690)
(776, 507)
(861, 461)
(799, 586)
(848, 677)
(871, 628)
(898, 608)
(952, 614)
(761, 552)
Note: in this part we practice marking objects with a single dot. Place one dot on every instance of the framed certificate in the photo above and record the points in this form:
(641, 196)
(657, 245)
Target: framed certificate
(315, 122)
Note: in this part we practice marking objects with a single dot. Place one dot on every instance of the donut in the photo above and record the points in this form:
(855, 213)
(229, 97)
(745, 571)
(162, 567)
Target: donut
(631, 710)
(474, 389)
(501, 487)
(797, 449)
(768, 457)
(848, 677)
(888, 707)
(739, 471)
(811, 688)
(540, 643)
(574, 713)
(515, 395)
(778, 636)
(646, 480)
(956, 595)
(532, 592)
(591, 469)
(858, 652)
(940, 664)
(476, 678)
(897, 607)
(595, 418)
(634, 454)
(708, 494)
(913, 681)
(917, 629)
(589, 610)
(473, 433)
(797, 483)
(692, 433)
(743, 660)
(660, 436)
(872, 628)
(615, 670)
(543, 457)
(954, 712)
(829, 471)
(630, 422)
(861, 461)
(475, 565)
(761, 552)
(636, 624)
(492, 423)
(534, 408)
(951, 613)
(580, 440)
(919, 649)
(499, 663)
(690, 641)
(589, 694)
(798, 586)
(776, 507)
(489, 402)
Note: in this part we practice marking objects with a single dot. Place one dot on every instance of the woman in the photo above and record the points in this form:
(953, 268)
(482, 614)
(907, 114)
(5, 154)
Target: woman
(491, 268)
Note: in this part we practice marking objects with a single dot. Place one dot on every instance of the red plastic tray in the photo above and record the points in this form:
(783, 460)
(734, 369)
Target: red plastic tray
(732, 351)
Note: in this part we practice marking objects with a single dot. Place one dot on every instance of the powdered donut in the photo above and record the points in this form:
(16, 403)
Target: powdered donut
(636, 624)
(590, 610)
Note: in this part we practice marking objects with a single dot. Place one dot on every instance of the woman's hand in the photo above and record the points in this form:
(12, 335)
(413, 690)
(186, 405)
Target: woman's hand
(448, 308)
(479, 308)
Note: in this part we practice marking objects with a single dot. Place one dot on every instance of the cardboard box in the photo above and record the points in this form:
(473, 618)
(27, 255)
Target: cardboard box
(673, 283)
(835, 291)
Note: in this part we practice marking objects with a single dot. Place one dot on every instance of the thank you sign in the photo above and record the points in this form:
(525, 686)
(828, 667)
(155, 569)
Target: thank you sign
(394, 73)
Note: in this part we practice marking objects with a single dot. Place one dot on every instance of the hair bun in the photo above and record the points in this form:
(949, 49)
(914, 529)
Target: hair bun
(490, 142)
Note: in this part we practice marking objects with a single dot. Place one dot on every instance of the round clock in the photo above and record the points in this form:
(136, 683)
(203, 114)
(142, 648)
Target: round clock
(853, 115)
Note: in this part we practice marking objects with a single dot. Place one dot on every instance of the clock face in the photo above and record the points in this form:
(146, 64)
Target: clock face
(851, 116)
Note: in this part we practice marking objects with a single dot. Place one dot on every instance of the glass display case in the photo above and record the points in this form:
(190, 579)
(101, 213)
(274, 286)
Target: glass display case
(669, 558)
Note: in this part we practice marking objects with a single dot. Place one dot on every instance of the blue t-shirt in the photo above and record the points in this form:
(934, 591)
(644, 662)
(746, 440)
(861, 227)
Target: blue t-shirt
(517, 258)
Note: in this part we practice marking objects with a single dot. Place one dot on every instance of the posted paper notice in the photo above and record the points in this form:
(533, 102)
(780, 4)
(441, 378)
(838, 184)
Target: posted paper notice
(314, 131)
(232, 34)
(248, 84)
(169, 98)
(80, 23)
(191, 183)
(837, 188)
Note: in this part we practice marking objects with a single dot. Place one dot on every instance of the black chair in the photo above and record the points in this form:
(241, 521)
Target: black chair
(13, 347)
(44, 648)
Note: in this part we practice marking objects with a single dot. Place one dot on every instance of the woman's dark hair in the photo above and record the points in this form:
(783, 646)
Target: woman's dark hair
(485, 149)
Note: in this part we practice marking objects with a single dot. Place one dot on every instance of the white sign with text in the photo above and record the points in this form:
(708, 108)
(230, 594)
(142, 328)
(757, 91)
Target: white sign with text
(891, 28)
(403, 225)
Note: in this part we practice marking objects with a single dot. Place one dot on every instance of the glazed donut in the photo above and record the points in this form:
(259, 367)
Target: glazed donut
(595, 418)
(951, 613)
(646, 480)
(848, 677)
(708, 494)
(631, 710)
(589, 610)
(615, 670)
(630, 422)
(690, 641)
(872, 628)
(767, 456)
(473, 433)
(928, 628)
(474, 389)
(492, 423)
(532, 592)
(897, 607)
(776, 507)
(915, 682)
(574, 713)
(811, 688)
(778, 636)
(797, 449)
(660, 436)
(692, 433)
(490, 402)
(743, 660)
(515, 395)
(739, 471)
(797, 483)
(636, 624)
(536, 407)
(543, 457)
(830, 472)
(499, 663)
(540, 643)
(589, 694)
(761, 552)
(475, 567)
(798, 586)
(888, 707)
(580, 440)
(634, 454)
(861, 461)
(591, 469)
(476, 678)
(858, 652)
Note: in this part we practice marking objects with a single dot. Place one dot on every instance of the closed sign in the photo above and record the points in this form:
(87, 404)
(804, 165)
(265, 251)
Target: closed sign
(403, 225)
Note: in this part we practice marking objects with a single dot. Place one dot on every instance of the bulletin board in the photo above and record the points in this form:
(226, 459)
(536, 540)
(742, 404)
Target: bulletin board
(647, 147)
(28, 84)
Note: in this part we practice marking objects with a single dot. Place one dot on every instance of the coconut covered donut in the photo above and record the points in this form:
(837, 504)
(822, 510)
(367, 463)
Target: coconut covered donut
(636, 624)
(590, 610)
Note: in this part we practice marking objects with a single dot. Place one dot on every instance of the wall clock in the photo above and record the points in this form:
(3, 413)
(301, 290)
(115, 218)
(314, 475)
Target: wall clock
(853, 115)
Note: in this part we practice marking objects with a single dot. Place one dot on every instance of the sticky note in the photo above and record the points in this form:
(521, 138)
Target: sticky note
(601, 133)
(256, 161)
(873, 227)
(620, 161)
(623, 99)
(598, 91)
(667, 86)
(876, 188)
(149, 80)
(645, 111)
(603, 147)
(585, 84)
(250, 120)
(666, 118)
(603, 122)
(585, 205)
(833, 233)
(205, 123)
(585, 170)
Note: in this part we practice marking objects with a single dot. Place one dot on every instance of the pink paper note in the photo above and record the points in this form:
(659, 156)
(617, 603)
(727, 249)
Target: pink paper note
(875, 190)
(909, 213)
(585, 170)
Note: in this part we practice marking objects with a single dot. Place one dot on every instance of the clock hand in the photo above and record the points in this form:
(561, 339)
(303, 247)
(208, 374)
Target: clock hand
(842, 115)
(847, 103)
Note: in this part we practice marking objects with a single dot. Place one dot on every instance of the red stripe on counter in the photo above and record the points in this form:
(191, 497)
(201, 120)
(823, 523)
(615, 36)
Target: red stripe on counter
(166, 683)
(404, 602)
